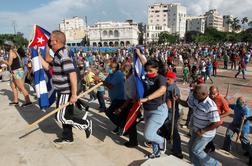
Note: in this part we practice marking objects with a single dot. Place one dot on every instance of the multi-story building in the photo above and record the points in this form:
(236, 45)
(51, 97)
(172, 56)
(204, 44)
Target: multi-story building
(113, 34)
(196, 24)
(166, 17)
(157, 21)
(74, 29)
(177, 19)
(226, 24)
(214, 20)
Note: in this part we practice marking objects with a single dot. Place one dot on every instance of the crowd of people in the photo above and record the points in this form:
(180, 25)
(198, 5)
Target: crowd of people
(161, 99)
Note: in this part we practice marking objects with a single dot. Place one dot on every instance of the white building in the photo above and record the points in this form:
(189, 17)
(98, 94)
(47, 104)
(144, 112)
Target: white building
(177, 19)
(74, 29)
(157, 21)
(114, 34)
(166, 17)
(214, 20)
(227, 26)
(196, 24)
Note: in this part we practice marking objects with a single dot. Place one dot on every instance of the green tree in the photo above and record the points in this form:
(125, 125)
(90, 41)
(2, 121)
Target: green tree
(244, 21)
(191, 35)
(165, 37)
(18, 39)
(250, 24)
(236, 24)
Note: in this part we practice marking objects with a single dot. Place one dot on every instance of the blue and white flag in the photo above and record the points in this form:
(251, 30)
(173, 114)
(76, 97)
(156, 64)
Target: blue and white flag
(139, 73)
(42, 79)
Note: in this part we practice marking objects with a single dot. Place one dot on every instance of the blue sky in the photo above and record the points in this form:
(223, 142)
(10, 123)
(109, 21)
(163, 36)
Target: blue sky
(49, 13)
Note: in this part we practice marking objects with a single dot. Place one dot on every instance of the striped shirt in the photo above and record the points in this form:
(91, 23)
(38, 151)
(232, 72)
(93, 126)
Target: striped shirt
(204, 113)
(62, 66)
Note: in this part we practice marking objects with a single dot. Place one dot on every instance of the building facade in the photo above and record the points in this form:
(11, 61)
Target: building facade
(226, 25)
(177, 19)
(166, 17)
(214, 20)
(116, 34)
(74, 29)
(196, 24)
(157, 21)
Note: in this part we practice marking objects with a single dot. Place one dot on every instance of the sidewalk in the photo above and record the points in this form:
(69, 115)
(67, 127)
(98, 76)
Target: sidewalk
(102, 149)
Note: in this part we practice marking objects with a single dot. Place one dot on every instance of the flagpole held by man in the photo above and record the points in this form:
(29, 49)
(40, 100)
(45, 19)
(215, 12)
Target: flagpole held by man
(65, 82)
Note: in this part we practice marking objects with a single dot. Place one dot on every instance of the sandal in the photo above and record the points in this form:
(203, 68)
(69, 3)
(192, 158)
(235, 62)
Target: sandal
(26, 104)
(13, 103)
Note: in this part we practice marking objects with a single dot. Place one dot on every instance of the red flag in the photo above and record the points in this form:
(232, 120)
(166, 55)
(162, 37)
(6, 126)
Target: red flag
(132, 116)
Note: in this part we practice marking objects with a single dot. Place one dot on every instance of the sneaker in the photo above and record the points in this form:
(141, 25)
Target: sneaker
(63, 141)
(130, 144)
(26, 104)
(152, 156)
(89, 130)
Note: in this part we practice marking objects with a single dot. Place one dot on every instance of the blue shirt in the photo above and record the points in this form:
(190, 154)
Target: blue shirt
(238, 114)
(169, 93)
(117, 81)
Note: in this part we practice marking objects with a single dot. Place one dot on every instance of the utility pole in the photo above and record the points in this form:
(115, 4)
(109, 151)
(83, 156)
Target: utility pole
(14, 26)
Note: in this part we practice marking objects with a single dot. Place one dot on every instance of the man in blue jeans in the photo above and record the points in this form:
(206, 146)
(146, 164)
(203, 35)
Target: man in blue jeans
(241, 112)
(205, 120)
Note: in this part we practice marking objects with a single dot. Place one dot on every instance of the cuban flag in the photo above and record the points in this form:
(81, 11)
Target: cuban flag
(139, 76)
(139, 73)
(42, 79)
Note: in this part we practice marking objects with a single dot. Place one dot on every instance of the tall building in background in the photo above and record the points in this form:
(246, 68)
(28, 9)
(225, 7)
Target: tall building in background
(226, 25)
(75, 30)
(177, 19)
(114, 34)
(157, 21)
(214, 20)
(165, 17)
(196, 24)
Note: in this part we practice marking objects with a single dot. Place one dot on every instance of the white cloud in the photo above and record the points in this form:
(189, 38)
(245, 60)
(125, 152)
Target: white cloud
(50, 15)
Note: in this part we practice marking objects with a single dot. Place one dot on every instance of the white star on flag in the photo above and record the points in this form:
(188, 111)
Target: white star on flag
(40, 40)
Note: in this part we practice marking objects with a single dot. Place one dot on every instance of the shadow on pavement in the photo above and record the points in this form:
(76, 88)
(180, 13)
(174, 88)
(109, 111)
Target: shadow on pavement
(32, 113)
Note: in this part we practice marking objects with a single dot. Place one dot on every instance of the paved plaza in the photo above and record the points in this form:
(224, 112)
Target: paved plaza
(34, 147)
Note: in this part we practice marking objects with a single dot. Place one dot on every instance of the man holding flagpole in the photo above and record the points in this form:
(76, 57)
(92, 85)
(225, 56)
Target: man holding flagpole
(65, 82)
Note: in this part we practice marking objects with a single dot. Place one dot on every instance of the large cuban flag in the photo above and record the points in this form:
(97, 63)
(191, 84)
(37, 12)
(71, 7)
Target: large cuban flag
(42, 79)
(139, 76)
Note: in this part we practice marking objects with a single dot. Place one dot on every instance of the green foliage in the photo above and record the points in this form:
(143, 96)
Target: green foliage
(18, 39)
(192, 35)
(165, 37)
(213, 36)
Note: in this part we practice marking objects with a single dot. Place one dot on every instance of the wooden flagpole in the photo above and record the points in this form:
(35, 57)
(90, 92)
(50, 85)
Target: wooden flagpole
(63, 106)
(173, 115)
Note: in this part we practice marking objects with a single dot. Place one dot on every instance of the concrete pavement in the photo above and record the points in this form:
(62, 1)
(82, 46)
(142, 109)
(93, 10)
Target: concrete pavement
(103, 147)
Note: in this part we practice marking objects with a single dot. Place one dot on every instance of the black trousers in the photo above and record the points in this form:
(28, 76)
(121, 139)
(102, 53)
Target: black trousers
(72, 115)
(115, 104)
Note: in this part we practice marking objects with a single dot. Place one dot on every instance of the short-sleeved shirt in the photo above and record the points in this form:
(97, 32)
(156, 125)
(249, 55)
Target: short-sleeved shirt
(117, 81)
(150, 86)
(238, 114)
(222, 105)
(130, 88)
(62, 67)
(169, 93)
(204, 113)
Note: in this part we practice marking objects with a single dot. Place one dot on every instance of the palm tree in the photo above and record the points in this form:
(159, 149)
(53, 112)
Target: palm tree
(244, 21)
(235, 24)
(250, 24)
